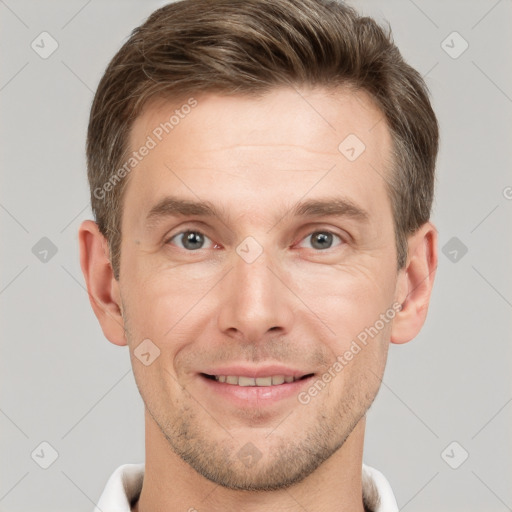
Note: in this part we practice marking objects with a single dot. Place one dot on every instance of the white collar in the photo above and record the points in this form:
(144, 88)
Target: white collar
(125, 484)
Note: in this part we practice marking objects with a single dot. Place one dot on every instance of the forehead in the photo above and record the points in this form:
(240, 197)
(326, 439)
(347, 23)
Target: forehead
(249, 152)
(249, 119)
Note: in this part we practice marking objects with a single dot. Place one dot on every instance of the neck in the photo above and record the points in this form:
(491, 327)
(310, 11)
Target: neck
(171, 484)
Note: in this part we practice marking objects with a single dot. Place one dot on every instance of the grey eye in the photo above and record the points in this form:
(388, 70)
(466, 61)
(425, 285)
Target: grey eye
(322, 239)
(190, 240)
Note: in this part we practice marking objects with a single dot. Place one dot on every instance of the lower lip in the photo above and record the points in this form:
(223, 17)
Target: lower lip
(255, 396)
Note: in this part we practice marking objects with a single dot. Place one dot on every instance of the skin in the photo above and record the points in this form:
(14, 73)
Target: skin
(299, 303)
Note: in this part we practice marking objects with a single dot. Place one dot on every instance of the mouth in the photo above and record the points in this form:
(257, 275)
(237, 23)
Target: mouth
(244, 388)
(264, 381)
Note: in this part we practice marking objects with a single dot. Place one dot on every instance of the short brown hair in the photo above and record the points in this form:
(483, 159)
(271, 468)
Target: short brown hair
(249, 47)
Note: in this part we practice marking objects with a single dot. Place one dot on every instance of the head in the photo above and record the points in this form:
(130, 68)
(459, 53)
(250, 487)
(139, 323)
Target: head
(311, 145)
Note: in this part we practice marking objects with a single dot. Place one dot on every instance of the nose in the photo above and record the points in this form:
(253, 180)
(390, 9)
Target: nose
(255, 300)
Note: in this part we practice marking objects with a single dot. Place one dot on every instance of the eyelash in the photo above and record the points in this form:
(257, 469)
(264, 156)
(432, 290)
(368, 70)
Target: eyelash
(324, 231)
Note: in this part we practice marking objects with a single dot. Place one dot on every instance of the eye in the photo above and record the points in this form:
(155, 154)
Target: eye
(190, 240)
(322, 240)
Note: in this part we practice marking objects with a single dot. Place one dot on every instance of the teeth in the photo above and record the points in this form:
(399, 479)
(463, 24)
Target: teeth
(271, 380)
(264, 381)
(246, 381)
(277, 379)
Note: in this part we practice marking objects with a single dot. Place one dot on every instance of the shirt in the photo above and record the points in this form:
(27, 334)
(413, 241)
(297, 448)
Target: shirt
(125, 484)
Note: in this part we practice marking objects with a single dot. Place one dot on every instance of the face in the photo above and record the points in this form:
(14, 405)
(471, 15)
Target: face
(252, 305)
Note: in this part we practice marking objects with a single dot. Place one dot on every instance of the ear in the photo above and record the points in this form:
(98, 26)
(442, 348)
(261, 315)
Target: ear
(415, 284)
(102, 287)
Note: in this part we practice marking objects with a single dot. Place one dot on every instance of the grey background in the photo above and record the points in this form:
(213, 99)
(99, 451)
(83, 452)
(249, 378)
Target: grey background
(62, 382)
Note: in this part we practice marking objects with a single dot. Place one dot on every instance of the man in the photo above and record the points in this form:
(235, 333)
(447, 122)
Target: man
(261, 177)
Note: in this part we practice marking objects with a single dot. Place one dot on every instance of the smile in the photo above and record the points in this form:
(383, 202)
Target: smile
(240, 380)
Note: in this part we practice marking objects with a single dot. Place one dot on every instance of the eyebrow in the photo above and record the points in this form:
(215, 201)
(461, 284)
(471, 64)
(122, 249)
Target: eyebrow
(171, 206)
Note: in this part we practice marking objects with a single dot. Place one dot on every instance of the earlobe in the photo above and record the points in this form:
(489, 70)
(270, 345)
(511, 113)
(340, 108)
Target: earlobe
(102, 288)
(415, 284)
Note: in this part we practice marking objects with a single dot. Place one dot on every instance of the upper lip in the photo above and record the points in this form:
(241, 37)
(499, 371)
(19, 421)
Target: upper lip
(255, 372)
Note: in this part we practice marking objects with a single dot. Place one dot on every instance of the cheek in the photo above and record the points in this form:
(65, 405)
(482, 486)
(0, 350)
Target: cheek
(159, 296)
(172, 303)
(167, 309)
(357, 308)
(360, 364)
(347, 300)
(159, 389)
